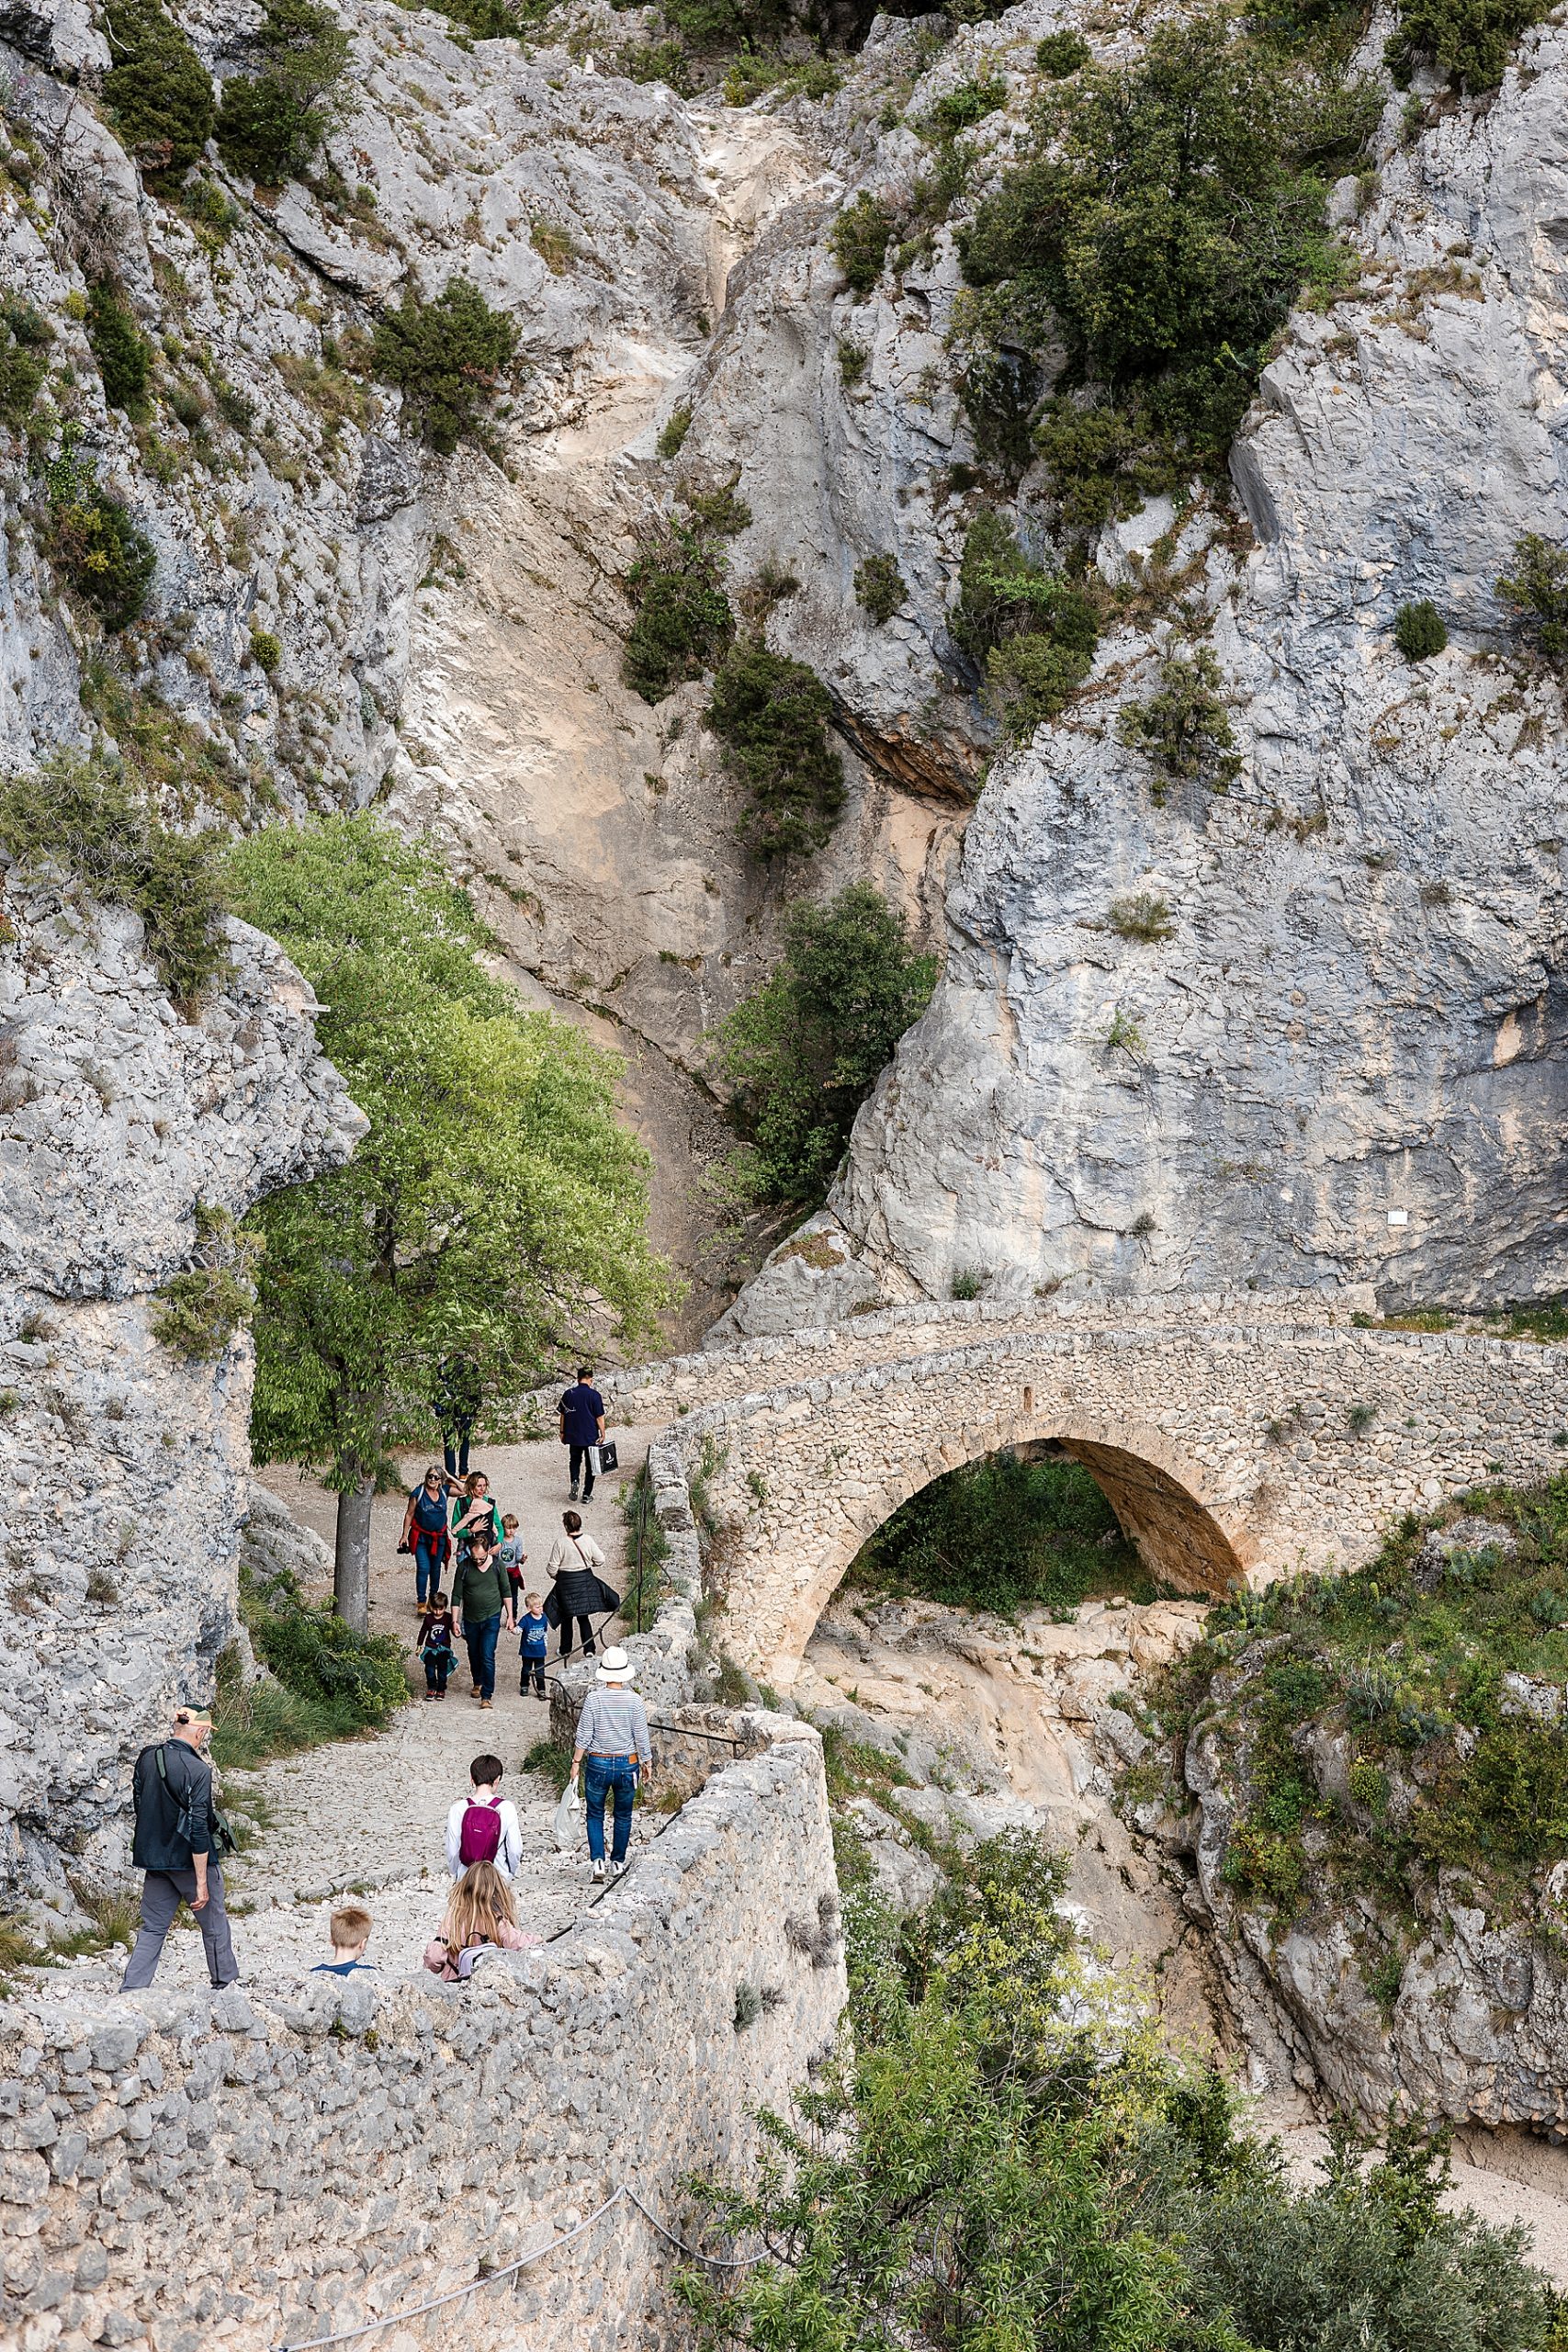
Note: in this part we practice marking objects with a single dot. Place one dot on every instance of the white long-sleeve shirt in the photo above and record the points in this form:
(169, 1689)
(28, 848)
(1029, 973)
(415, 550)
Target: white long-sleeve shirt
(508, 1854)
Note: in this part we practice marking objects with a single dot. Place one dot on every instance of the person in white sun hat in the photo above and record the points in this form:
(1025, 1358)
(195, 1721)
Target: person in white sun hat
(613, 1743)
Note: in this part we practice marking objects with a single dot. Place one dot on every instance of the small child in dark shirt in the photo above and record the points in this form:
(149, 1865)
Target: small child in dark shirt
(535, 1629)
(435, 1645)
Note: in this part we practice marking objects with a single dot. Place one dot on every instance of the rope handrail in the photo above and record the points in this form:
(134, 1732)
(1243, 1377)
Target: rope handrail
(510, 2269)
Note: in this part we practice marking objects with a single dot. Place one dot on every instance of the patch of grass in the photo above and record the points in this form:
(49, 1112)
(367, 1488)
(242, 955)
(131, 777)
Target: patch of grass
(447, 356)
(555, 244)
(549, 1758)
(331, 1682)
(93, 541)
(86, 822)
(1470, 40)
(1143, 916)
(772, 714)
(967, 1283)
(1405, 1661)
(961, 108)
(1005, 1533)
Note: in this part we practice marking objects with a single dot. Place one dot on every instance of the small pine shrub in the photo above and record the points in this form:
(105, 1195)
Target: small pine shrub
(970, 103)
(1183, 731)
(967, 1283)
(1030, 679)
(25, 337)
(1142, 917)
(93, 543)
(860, 238)
(124, 356)
(266, 650)
(771, 715)
(879, 588)
(1537, 588)
(446, 358)
(683, 621)
(1470, 40)
(672, 434)
(854, 360)
(1419, 631)
(271, 125)
(199, 1312)
(1032, 632)
(157, 90)
(86, 822)
(1060, 54)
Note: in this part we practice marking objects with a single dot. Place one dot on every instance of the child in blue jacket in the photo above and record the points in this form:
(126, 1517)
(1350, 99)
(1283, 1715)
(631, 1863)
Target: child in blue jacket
(536, 1633)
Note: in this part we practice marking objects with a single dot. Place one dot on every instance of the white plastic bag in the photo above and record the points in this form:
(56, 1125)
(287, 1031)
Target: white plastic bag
(569, 1829)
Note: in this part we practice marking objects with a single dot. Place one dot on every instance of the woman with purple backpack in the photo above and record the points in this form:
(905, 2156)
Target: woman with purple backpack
(483, 1826)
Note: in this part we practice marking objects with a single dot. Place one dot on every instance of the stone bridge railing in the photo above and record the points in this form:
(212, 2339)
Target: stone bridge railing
(1237, 1439)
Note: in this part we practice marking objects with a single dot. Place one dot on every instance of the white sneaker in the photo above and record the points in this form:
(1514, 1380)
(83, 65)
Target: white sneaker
(597, 1873)
(619, 1870)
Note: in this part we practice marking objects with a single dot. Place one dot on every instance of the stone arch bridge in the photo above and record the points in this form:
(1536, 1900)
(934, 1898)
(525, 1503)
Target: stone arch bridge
(1237, 1439)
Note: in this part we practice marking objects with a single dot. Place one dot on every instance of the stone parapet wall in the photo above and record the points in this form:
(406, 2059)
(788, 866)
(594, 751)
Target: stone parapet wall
(186, 2169)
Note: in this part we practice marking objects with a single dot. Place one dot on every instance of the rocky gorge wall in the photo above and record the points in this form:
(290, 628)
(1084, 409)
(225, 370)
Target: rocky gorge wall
(127, 1463)
(273, 2170)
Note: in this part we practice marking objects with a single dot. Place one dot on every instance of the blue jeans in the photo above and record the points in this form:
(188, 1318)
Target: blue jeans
(427, 1550)
(480, 1634)
(602, 1776)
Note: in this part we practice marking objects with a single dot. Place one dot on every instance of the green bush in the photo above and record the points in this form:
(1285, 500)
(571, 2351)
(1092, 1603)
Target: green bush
(157, 90)
(271, 125)
(1183, 729)
(93, 542)
(771, 715)
(25, 337)
(658, 61)
(673, 431)
(879, 588)
(683, 622)
(1005, 1533)
(806, 1050)
(122, 352)
(1419, 631)
(1060, 54)
(199, 1312)
(961, 109)
(88, 822)
(1032, 632)
(1162, 218)
(1470, 40)
(266, 650)
(332, 1681)
(860, 238)
(1538, 590)
(446, 358)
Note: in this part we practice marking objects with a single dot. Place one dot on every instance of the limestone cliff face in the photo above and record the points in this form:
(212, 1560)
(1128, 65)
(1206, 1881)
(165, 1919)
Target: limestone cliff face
(1345, 1062)
(127, 1464)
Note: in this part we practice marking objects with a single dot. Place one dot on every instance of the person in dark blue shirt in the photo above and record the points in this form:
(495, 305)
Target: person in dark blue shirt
(350, 1931)
(582, 1428)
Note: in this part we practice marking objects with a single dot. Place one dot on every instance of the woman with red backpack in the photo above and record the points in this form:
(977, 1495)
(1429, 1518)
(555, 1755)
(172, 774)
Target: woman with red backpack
(483, 1826)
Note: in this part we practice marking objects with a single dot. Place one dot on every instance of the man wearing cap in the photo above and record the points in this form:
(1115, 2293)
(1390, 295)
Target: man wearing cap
(179, 1835)
(612, 1737)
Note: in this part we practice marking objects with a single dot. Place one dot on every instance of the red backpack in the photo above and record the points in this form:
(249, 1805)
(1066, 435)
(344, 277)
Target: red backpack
(479, 1841)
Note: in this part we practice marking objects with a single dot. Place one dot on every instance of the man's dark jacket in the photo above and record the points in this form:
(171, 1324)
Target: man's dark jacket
(159, 1846)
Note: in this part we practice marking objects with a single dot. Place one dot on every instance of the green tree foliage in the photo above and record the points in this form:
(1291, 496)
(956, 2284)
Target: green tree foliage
(879, 588)
(447, 357)
(1060, 54)
(199, 1311)
(1183, 729)
(961, 109)
(86, 822)
(93, 541)
(1004, 1534)
(1002, 2159)
(125, 360)
(157, 90)
(683, 621)
(1419, 631)
(771, 715)
(271, 124)
(1162, 218)
(860, 238)
(1030, 632)
(1537, 588)
(1470, 40)
(496, 1209)
(806, 1050)
(25, 337)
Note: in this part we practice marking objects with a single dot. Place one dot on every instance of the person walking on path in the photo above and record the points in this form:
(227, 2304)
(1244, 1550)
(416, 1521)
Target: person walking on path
(436, 1631)
(181, 1838)
(483, 1826)
(480, 1914)
(482, 1598)
(535, 1628)
(612, 1749)
(581, 1412)
(474, 1513)
(424, 1533)
(577, 1589)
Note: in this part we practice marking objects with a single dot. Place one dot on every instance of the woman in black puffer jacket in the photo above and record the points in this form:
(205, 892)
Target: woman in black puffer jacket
(577, 1589)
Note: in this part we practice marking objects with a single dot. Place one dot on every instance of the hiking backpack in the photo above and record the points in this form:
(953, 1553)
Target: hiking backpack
(479, 1841)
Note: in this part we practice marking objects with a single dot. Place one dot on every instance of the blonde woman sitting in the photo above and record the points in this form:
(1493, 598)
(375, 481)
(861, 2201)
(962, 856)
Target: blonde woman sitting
(480, 1917)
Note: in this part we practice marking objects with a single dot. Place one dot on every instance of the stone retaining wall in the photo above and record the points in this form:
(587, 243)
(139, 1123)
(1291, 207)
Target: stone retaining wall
(180, 2169)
